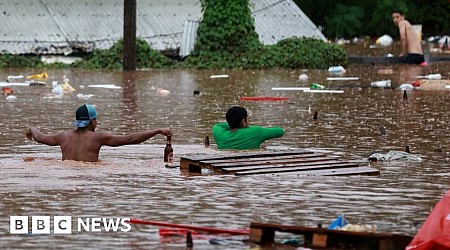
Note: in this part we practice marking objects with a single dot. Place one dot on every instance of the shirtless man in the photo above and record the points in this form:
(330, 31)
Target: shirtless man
(411, 48)
(83, 144)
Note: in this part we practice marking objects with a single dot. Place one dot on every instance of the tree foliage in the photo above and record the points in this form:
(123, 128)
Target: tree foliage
(376, 20)
(226, 38)
(345, 22)
(146, 57)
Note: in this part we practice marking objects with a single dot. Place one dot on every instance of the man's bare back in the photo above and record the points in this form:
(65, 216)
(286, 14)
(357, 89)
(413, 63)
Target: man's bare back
(411, 47)
(83, 144)
(408, 33)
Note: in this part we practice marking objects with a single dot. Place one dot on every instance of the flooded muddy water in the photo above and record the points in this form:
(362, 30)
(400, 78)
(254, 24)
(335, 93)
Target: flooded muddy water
(131, 181)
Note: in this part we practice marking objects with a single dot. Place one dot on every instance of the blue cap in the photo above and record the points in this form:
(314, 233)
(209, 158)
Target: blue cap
(84, 115)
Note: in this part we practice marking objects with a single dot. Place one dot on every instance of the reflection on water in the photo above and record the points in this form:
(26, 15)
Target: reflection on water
(131, 181)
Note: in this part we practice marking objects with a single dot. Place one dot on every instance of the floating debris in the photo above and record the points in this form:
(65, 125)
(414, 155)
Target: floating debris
(303, 77)
(219, 76)
(105, 86)
(342, 78)
(384, 40)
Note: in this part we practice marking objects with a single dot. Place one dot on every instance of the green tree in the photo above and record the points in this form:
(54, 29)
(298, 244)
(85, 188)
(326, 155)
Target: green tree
(226, 25)
(345, 22)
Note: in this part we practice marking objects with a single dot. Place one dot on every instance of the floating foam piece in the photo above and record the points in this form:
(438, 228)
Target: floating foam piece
(7, 84)
(82, 96)
(219, 76)
(163, 92)
(336, 69)
(342, 78)
(105, 86)
(322, 91)
(431, 76)
(303, 77)
(447, 87)
(290, 88)
(11, 98)
(15, 77)
(384, 40)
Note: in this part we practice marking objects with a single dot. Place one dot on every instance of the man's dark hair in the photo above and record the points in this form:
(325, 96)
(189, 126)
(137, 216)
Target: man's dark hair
(235, 115)
(398, 11)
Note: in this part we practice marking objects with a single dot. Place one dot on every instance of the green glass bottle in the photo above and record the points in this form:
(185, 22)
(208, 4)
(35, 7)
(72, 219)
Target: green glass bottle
(317, 86)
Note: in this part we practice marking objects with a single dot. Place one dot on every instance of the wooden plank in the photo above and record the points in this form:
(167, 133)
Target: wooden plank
(305, 164)
(433, 84)
(298, 169)
(326, 172)
(232, 160)
(272, 161)
(319, 240)
(190, 166)
(250, 154)
(322, 237)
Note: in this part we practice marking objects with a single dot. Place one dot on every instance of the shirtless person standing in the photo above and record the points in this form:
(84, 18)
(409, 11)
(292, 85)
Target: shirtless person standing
(411, 47)
(83, 144)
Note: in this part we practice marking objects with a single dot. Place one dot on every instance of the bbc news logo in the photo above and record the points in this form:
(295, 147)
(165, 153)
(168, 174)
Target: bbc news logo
(63, 225)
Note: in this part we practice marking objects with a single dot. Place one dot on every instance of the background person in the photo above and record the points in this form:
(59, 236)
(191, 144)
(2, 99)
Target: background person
(83, 144)
(236, 133)
(411, 47)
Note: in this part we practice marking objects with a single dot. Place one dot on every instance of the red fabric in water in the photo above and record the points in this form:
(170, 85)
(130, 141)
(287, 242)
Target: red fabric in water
(435, 232)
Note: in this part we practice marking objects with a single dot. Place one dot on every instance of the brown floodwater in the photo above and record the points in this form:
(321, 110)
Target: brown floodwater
(131, 181)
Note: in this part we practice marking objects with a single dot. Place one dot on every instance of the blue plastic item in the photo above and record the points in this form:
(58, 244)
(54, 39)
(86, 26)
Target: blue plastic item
(338, 223)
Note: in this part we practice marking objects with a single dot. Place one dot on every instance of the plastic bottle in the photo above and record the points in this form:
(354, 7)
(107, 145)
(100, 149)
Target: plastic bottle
(336, 69)
(316, 86)
(168, 152)
(381, 84)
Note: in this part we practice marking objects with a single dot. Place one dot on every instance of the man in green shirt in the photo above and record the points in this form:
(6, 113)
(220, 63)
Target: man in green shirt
(236, 133)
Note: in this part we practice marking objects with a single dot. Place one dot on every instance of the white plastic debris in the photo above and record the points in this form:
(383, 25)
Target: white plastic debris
(406, 86)
(219, 76)
(290, 88)
(15, 77)
(323, 91)
(58, 90)
(395, 156)
(303, 77)
(83, 96)
(336, 69)
(381, 84)
(163, 92)
(342, 78)
(105, 86)
(11, 98)
(384, 40)
(431, 76)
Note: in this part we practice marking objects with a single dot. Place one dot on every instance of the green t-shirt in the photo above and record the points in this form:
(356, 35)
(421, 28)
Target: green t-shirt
(243, 138)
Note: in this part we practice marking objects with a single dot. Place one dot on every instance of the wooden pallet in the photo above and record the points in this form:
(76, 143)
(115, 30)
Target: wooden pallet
(262, 233)
(299, 162)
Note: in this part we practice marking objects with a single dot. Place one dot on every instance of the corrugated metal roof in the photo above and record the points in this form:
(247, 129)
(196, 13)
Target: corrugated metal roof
(62, 26)
(189, 37)
(279, 19)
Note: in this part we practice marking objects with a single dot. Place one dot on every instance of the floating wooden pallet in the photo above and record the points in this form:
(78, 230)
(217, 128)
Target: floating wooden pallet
(297, 162)
(263, 233)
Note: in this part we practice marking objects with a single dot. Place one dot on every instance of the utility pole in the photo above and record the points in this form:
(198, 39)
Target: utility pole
(129, 35)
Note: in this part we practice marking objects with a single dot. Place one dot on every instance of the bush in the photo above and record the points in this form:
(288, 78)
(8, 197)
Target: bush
(288, 53)
(146, 57)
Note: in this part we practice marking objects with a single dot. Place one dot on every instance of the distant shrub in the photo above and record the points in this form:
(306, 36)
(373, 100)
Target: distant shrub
(146, 57)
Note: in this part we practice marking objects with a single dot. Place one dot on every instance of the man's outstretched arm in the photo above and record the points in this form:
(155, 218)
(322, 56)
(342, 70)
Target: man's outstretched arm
(34, 133)
(133, 138)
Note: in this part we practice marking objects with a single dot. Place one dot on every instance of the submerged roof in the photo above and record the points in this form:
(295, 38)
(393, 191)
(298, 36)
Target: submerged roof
(62, 26)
